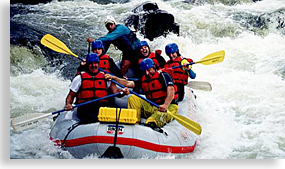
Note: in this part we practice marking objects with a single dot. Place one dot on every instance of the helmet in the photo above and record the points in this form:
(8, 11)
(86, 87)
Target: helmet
(146, 64)
(143, 43)
(171, 48)
(97, 44)
(110, 19)
(92, 57)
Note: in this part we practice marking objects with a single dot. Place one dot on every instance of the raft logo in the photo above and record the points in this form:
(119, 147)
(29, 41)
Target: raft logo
(112, 128)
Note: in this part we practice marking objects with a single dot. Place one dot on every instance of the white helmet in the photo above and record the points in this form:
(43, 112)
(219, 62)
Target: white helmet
(110, 19)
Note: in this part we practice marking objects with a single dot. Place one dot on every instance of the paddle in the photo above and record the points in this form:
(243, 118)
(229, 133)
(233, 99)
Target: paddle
(198, 85)
(30, 120)
(53, 43)
(114, 152)
(56, 45)
(210, 59)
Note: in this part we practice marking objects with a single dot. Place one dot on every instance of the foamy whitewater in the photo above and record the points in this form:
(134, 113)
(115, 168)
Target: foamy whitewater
(243, 117)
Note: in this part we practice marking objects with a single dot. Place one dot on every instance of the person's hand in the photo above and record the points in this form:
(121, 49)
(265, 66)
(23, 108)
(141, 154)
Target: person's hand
(126, 91)
(108, 76)
(83, 62)
(68, 107)
(185, 67)
(163, 108)
(90, 40)
(184, 63)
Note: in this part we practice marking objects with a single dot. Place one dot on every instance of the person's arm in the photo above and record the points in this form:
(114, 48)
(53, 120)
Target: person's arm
(69, 100)
(115, 34)
(188, 68)
(169, 85)
(124, 82)
(115, 89)
(73, 89)
(168, 99)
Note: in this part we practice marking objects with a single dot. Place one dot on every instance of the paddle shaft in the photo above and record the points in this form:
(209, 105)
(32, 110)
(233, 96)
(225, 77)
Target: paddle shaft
(122, 86)
(56, 112)
(175, 67)
(212, 58)
(91, 101)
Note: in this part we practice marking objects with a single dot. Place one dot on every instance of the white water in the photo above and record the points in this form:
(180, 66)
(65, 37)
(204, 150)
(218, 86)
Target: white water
(242, 117)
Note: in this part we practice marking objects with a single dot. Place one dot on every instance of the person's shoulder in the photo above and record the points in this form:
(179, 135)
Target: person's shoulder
(77, 78)
(166, 78)
(122, 27)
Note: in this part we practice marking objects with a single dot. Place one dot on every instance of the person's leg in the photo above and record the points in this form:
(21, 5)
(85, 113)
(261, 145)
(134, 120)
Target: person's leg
(162, 118)
(125, 65)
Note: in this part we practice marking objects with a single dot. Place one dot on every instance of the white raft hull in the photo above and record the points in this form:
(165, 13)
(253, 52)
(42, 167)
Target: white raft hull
(134, 141)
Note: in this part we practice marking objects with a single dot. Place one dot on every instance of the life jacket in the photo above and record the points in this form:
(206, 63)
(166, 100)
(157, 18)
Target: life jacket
(152, 56)
(92, 87)
(104, 63)
(153, 89)
(179, 75)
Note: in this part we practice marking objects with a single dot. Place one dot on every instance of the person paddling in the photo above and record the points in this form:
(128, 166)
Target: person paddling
(159, 88)
(87, 86)
(180, 75)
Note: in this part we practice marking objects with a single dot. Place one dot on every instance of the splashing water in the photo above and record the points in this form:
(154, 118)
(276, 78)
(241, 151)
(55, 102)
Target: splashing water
(243, 117)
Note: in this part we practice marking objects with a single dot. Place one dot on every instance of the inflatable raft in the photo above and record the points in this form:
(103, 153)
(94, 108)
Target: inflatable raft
(134, 140)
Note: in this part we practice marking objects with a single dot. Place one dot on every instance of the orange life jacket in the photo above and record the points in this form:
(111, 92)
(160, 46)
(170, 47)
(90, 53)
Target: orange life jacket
(179, 75)
(153, 89)
(104, 63)
(92, 87)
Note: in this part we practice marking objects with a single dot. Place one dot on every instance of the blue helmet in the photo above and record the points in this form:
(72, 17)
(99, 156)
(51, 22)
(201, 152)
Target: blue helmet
(97, 44)
(146, 64)
(143, 43)
(171, 48)
(92, 57)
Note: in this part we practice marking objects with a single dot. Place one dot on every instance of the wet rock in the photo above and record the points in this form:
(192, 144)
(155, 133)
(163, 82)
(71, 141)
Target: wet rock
(151, 21)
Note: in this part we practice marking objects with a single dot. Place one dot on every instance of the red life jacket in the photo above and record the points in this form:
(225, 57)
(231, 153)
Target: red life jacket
(153, 89)
(92, 87)
(104, 63)
(179, 75)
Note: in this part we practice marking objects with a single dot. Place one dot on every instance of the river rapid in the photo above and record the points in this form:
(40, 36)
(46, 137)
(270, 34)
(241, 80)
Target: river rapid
(243, 117)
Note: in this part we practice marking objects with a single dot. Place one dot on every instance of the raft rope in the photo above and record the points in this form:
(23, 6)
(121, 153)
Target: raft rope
(69, 130)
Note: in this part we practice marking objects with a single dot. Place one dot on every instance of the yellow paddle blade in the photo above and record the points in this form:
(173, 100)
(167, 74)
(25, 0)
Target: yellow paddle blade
(56, 45)
(189, 124)
(213, 58)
